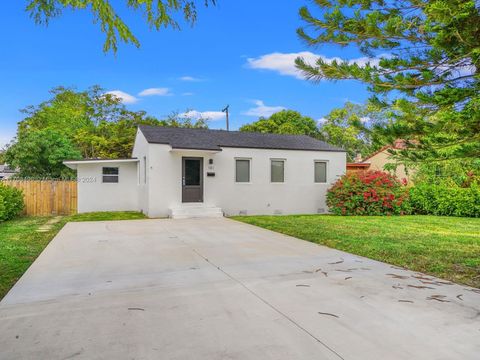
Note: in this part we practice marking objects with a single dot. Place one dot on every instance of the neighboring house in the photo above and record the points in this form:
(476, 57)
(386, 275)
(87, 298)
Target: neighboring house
(357, 167)
(379, 159)
(181, 172)
(6, 172)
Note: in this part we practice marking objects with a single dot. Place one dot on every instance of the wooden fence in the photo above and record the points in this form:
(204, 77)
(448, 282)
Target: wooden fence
(47, 197)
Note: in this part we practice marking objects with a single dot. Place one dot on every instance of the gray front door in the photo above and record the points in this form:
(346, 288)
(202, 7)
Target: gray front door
(192, 179)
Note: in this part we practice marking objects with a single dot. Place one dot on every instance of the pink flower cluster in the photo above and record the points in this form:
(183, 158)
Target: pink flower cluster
(368, 193)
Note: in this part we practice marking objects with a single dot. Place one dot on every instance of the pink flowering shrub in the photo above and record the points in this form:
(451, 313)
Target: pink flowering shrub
(368, 193)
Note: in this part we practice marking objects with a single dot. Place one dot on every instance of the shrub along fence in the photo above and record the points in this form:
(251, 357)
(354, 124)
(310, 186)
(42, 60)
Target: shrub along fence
(47, 197)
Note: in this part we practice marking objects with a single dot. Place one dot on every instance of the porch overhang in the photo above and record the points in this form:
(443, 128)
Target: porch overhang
(73, 164)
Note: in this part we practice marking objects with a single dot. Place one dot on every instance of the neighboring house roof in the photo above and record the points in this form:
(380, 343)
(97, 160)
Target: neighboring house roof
(206, 139)
(398, 144)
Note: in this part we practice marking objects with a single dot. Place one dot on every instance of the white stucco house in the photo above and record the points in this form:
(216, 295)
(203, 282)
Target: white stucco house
(180, 172)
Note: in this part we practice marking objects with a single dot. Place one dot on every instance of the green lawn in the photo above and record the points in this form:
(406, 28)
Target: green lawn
(20, 243)
(446, 247)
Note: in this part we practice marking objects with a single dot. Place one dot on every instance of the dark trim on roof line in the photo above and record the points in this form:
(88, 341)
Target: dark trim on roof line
(241, 147)
(192, 148)
(290, 149)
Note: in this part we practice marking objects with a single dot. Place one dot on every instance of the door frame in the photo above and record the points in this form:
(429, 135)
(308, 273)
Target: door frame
(201, 200)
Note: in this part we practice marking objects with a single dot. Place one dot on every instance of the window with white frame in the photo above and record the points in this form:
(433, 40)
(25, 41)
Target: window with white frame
(110, 174)
(320, 171)
(242, 170)
(277, 170)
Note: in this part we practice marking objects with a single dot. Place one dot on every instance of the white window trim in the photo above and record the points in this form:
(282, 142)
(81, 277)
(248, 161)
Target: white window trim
(249, 171)
(284, 177)
(139, 173)
(145, 170)
(117, 175)
(326, 171)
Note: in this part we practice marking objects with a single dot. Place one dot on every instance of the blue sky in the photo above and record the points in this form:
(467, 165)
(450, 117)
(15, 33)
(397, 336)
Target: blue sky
(239, 53)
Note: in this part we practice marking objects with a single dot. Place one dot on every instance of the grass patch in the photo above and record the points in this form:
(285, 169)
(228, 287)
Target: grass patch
(447, 247)
(20, 243)
(107, 215)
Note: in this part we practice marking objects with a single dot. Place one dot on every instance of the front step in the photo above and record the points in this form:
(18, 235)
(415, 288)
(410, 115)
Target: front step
(188, 211)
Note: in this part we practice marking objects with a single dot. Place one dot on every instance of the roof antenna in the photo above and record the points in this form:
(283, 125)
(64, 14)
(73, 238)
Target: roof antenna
(226, 112)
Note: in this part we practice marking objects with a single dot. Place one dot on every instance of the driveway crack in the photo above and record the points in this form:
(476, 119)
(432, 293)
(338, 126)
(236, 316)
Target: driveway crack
(266, 302)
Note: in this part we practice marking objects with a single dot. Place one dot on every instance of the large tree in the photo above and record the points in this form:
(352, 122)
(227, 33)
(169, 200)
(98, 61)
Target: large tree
(284, 122)
(156, 13)
(350, 127)
(41, 153)
(424, 67)
(97, 123)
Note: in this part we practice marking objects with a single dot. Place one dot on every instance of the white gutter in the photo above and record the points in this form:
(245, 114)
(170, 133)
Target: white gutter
(73, 164)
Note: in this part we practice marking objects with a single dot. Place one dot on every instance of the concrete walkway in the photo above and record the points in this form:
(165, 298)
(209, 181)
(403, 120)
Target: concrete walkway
(219, 289)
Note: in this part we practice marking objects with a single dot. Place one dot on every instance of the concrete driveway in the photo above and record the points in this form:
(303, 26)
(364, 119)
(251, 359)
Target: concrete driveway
(220, 289)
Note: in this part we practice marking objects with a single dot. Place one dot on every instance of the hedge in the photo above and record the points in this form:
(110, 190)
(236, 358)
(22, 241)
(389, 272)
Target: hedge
(445, 200)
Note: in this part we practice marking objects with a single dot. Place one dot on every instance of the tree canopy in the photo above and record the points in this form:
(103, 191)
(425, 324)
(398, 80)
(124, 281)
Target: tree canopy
(284, 122)
(461, 173)
(157, 14)
(424, 67)
(349, 127)
(92, 123)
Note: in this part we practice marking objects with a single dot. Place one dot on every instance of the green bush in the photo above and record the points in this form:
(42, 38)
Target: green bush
(368, 193)
(2, 208)
(11, 200)
(431, 199)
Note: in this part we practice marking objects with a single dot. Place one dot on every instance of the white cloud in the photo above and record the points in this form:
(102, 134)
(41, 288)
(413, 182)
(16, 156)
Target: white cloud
(155, 92)
(321, 121)
(262, 110)
(189, 78)
(365, 119)
(126, 98)
(207, 115)
(187, 94)
(284, 63)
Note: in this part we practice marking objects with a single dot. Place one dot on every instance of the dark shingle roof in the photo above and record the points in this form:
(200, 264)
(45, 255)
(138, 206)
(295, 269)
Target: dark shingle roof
(203, 139)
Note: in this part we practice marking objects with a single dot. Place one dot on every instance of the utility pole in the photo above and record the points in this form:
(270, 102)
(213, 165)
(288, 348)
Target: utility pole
(226, 112)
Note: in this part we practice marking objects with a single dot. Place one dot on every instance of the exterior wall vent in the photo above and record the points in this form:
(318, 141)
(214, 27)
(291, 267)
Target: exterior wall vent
(278, 212)
(321, 211)
(242, 212)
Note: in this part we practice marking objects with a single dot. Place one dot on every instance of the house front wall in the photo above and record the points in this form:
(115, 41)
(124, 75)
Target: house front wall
(95, 195)
(296, 195)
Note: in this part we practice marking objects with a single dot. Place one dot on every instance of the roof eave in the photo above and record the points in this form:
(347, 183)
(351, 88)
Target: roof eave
(278, 148)
(73, 164)
(184, 149)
